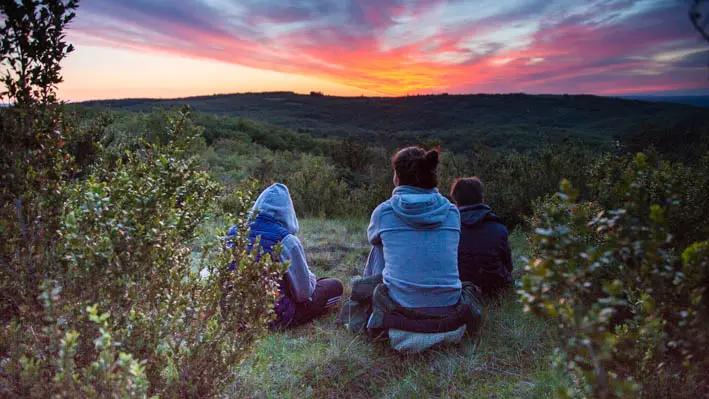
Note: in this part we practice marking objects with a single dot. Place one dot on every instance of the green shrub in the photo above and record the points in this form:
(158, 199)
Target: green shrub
(315, 187)
(51, 369)
(632, 312)
(129, 132)
(101, 293)
(544, 210)
(34, 163)
(124, 247)
(514, 180)
(689, 183)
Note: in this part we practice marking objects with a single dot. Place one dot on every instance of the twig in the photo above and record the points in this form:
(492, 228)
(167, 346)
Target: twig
(25, 237)
(18, 211)
(695, 16)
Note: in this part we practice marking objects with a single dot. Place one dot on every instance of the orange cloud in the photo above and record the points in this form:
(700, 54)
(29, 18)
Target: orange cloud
(397, 47)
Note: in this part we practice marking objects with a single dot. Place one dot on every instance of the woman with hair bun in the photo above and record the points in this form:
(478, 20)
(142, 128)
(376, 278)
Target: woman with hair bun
(418, 230)
(418, 299)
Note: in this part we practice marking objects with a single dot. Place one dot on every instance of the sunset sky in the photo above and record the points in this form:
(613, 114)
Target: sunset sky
(175, 48)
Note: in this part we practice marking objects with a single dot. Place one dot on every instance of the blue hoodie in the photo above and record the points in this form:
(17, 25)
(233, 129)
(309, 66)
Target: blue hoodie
(419, 230)
(275, 201)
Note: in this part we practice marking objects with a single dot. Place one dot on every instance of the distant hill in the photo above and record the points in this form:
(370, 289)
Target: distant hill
(517, 121)
(697, 101)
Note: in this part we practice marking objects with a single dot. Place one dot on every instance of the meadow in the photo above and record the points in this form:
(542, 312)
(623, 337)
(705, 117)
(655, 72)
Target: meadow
(509, 359)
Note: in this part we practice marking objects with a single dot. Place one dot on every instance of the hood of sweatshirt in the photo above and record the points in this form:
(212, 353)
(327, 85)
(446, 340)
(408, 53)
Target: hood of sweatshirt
(471, 215)
(276, 202)
(419, 207)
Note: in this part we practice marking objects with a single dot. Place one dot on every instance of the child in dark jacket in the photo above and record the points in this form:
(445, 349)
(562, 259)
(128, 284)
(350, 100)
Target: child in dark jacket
(484, 256)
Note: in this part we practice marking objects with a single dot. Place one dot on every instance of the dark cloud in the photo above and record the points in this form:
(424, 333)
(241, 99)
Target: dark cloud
(158, 14)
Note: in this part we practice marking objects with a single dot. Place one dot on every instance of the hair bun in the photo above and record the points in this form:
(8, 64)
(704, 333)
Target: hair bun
(431, 158)
(416, 167)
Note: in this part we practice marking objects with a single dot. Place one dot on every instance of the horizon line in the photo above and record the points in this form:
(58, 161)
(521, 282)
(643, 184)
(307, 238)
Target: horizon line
(322, 94)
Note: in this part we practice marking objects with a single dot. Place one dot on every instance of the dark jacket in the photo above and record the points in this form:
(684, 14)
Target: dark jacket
(484, 256)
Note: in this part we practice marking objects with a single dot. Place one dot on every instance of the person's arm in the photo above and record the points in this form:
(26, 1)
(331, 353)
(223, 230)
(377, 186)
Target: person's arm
(375, 261)
(373, 231)
(507, 252)
(302, 281)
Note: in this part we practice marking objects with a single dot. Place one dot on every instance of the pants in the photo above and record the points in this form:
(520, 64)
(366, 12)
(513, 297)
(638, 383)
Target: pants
(327, 297)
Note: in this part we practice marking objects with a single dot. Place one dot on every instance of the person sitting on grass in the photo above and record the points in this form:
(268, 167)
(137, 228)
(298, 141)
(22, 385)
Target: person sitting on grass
(484, 256)
(303, 296)
(411, 292)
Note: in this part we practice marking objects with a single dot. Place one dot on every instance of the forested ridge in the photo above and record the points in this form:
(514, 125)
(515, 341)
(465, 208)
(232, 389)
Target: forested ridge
(502, 121)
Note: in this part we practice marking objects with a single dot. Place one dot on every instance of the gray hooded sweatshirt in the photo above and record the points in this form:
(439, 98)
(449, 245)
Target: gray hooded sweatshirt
(276, 202)
(418, 230)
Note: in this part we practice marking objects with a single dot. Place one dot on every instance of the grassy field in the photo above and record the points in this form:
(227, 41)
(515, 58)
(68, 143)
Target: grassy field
(508, 360)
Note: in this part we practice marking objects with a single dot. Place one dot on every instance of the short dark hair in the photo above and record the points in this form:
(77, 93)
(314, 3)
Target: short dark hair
(468, 191)
(416, 167)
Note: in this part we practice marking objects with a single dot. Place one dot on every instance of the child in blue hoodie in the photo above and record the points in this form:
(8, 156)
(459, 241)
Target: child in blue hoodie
(304, 297)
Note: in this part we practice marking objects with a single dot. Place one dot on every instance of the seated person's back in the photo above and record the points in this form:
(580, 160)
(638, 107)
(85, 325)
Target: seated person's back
(484, 256)
(418, 229)
(421, 301)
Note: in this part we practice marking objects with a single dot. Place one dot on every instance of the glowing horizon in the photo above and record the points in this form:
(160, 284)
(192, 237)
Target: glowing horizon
(147, 48)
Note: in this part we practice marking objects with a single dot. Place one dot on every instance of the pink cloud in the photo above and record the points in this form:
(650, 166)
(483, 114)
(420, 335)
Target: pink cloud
(394, 47)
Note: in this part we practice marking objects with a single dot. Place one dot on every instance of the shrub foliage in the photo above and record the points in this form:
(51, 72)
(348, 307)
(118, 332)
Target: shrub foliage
(629, 304)
(103, 294)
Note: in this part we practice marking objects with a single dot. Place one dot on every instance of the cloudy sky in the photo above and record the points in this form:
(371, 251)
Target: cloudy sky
(170, 48)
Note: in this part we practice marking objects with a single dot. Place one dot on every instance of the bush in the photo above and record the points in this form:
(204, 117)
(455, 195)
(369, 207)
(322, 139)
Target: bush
(689, 183)
(315, 187)
(50, 368)
(632, 312)
(514, 180)
(544, 209)
(101, 293)
(123, 246)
